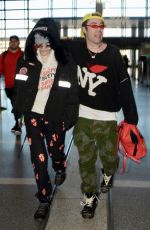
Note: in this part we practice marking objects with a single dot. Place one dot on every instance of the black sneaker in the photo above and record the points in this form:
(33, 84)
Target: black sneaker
(89, 205)
(106, 183)
(42, 211)
(60, 177)
(16, 130)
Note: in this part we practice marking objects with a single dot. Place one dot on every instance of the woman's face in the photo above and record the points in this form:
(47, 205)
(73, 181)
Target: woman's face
(44, 49)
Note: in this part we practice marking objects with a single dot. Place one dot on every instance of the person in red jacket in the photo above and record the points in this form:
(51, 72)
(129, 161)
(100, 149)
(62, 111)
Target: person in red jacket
(8, 62)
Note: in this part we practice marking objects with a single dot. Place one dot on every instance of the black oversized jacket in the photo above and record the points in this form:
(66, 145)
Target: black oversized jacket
(62, 104)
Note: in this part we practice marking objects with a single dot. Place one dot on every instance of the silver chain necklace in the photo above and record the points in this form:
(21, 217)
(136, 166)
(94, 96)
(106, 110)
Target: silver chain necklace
(92, 54)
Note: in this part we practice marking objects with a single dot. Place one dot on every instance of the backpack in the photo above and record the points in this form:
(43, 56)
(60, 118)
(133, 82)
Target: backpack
(131, 143)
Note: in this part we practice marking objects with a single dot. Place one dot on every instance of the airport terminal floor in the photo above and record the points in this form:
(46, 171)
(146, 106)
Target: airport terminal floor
(125, 207)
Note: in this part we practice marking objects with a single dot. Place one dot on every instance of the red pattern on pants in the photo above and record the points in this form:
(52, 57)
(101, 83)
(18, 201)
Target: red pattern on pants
(45, 138)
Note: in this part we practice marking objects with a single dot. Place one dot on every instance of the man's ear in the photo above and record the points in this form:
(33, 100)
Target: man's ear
(83, 30)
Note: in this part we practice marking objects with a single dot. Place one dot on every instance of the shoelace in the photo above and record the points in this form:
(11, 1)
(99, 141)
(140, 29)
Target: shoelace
(89, 201)
(107, 178)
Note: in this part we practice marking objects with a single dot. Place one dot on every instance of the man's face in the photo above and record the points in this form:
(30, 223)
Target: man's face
(14, 44)
(94, 30)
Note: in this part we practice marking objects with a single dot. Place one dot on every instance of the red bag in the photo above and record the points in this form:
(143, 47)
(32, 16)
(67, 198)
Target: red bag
(131, 143)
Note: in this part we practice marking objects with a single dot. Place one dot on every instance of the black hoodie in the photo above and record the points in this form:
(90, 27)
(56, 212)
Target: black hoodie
(47, 28)
(63, 102)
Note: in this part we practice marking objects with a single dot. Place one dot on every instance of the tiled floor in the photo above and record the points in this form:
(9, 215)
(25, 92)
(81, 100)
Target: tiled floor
(65, 213)
(131, 191)
(130, 195)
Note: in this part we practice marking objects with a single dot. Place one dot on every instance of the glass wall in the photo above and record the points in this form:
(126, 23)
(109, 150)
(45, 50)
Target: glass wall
(124, 18)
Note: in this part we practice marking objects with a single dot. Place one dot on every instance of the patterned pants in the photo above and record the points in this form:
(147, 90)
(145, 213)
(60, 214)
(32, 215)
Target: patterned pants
(92, 138)
(45, 138)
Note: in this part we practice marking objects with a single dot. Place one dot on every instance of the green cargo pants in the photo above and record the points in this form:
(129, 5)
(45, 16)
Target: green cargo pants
(94, 137)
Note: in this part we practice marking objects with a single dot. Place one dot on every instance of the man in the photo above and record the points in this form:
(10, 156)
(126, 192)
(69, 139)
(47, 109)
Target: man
(104, 88)
(8, 61)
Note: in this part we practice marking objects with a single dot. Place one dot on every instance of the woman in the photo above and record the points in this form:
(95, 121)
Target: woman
(47, 95)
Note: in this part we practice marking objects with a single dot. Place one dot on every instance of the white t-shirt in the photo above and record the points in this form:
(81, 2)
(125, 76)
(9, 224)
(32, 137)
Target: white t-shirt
(94, 114)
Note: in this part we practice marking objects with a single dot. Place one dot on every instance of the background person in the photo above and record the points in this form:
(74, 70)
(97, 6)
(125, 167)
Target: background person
(8, 62)
(126, 61)
(104, 88)
(46, 93)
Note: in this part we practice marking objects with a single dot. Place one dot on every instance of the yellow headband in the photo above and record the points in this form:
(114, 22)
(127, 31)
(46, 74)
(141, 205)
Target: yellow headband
(95, 15)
